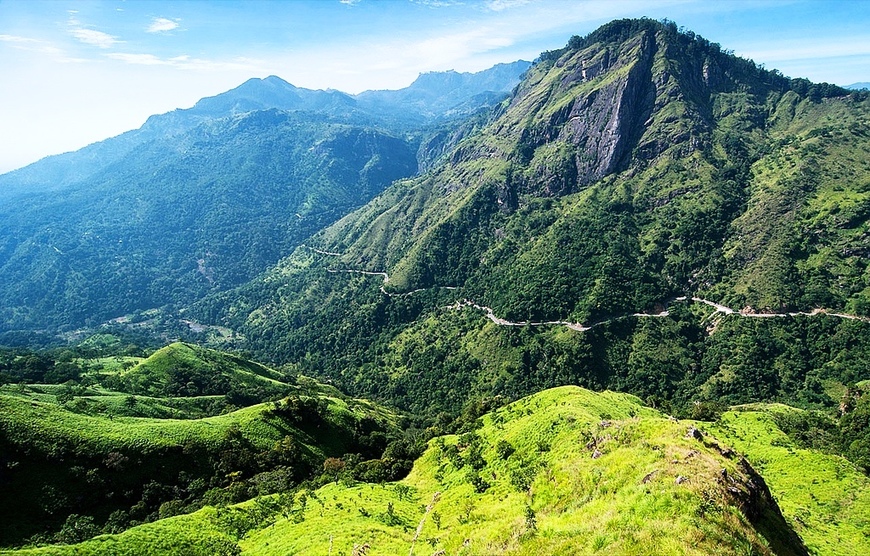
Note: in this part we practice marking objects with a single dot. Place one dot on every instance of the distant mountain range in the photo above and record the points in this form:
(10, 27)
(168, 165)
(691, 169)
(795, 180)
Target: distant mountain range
(857, 86)
(202, 199)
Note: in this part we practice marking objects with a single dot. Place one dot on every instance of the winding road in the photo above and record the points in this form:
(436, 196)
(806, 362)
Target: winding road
(580, 327)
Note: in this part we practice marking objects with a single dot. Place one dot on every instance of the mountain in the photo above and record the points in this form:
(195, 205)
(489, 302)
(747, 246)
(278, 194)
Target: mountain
(643, 213)
(434, 96)
(203, 199)
(639, 172)
(440, 95)
(857, 86)
(187, 214)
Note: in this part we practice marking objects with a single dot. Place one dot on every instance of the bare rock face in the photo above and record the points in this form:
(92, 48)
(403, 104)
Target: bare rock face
(607, 108)
(605, 124)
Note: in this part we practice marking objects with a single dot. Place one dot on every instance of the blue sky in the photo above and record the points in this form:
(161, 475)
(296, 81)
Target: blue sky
(75, 72)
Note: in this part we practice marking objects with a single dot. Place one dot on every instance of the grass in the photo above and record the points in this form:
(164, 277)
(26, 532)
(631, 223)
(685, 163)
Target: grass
(58, 462)
(180, 362)
(565, 471)
(525, 482)
(197, 534)
(824, 497)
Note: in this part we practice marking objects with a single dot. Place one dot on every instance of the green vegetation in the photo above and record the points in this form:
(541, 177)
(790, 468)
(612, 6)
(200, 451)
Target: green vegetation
(182, 370)
(580, 235)
(563, 471)
(74, 465)
(185, 215)
(723, 180)
(823, 497)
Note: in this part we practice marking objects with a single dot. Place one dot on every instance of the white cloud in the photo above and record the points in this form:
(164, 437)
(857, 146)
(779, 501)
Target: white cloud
(438, 3)
(16, 39)
(32, 45)
(94, 37)
(185, 62)
(89, 36)
(139, 59)
(161, 25)
(821, 48)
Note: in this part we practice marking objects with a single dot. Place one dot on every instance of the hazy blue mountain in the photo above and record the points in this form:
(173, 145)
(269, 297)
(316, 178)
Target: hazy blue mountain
(177, 217)
(857, 86)
(432, 97)
(204, 198)
(438, 95)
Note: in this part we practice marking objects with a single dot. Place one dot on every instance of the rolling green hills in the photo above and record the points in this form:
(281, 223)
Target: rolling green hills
(77, 460)
(563, 471)
(181, 370)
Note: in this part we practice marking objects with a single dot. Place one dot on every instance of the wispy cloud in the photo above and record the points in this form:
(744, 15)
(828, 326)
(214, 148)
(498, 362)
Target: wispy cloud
(438, 3)
(350, 2)
(186, 62)
(162, 25)
(18, 40)
(90, 36)
(810, 49)
(94, 37)
(30, 44)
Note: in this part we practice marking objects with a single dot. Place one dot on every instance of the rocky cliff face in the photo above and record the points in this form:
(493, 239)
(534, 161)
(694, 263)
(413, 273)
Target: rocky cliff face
(606, 124)
(601, 107)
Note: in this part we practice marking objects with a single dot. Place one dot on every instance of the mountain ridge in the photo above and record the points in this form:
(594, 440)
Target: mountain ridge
(564, 205)
(307, 157)
(253, 94)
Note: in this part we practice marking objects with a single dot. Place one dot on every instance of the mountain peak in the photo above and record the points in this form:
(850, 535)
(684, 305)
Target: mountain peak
(275, 79)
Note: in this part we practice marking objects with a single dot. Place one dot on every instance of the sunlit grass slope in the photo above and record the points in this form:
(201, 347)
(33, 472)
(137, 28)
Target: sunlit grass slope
(565, 471)
(56, 462)
(824, 498)
(181, 369)
(195, 534)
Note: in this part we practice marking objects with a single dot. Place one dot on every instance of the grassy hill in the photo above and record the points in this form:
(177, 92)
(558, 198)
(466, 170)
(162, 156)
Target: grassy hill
(181, 370)
(565, 471)
(76, 460)
(823, 496)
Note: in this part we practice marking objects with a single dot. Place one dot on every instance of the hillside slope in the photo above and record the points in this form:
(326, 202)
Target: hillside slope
(203, 199)
(563, 471)
(71, 466)
(631, 166)
(180, 217)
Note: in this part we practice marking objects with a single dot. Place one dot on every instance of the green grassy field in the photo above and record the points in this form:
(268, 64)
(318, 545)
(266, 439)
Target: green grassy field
(824, 497)
(565, 471)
